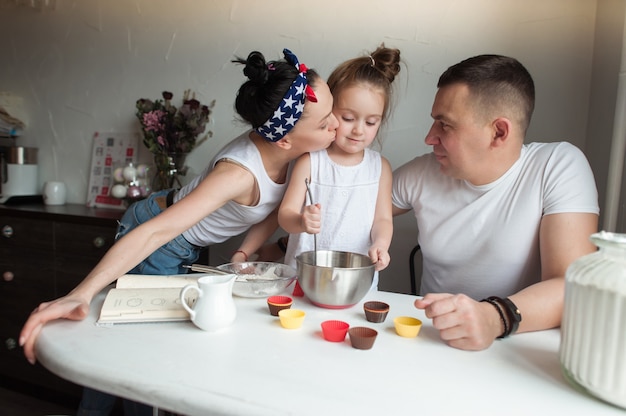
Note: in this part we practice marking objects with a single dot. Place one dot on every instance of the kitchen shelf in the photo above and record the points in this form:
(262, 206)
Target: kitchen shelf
(45, 251)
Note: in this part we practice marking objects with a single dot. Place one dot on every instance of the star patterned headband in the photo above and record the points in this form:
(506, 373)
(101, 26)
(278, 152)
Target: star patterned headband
(291, 106)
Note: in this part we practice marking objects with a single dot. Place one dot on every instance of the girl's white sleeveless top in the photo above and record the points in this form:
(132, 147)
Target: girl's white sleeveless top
(347, 195)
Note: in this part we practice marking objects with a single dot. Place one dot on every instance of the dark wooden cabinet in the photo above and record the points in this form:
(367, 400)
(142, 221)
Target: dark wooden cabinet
(44, 252)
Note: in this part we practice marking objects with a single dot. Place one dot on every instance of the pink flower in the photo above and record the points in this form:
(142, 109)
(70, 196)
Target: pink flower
(167, 129)
(152, 120)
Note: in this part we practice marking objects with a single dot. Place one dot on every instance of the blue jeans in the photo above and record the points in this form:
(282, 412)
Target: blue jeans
(97, 403)
(166, 260)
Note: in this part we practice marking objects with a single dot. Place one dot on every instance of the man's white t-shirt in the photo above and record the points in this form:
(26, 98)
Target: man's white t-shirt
(484, 240)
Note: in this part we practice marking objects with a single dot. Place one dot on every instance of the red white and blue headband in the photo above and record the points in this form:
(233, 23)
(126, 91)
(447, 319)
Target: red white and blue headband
(291, 106)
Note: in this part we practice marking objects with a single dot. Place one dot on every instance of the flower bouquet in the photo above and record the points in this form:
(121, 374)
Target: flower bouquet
(170, 133)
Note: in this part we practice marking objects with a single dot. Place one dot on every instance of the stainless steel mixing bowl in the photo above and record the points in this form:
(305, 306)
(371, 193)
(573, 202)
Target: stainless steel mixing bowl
(334, 279)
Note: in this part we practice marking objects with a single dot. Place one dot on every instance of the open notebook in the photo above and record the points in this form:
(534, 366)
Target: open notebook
(147, 298)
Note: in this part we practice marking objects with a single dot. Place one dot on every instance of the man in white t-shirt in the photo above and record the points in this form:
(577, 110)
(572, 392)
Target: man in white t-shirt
(498, 221)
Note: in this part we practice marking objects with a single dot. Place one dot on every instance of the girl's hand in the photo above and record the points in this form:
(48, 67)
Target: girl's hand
(380, 257)
(312, 219)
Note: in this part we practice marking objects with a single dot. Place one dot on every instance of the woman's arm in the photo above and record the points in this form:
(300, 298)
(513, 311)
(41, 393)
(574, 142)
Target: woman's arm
(226, 182)
(256, 236)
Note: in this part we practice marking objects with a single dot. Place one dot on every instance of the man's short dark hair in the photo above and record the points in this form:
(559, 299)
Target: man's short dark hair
(495, 81)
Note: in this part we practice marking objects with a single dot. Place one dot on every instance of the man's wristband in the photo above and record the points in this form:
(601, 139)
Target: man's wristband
(496, 305)
(513, 312)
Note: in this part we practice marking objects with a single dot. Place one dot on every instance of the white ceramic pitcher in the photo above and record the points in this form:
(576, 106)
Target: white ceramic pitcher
(215, 308)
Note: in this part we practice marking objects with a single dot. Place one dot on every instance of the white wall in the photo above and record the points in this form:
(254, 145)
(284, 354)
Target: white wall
(81, 67)
(604, 119)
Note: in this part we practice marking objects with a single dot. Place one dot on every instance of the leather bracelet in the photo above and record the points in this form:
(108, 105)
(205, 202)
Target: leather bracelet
(496, 305)
(281, 244)
(244, 254)
(513, 313)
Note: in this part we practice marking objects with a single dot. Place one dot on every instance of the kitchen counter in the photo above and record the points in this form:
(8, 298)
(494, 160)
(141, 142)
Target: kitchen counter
(45, 251)
(76, 213)
(256, 367)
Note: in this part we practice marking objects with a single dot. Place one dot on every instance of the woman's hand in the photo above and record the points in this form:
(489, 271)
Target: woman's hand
(68, 307)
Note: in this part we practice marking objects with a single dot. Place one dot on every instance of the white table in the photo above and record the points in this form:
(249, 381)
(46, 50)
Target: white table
(255, 367)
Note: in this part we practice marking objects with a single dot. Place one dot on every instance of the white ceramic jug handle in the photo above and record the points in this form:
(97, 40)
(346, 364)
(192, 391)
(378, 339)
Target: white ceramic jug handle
(183, 301)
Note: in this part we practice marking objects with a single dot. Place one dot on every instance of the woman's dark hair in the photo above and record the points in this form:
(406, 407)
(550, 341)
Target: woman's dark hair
(267, 84)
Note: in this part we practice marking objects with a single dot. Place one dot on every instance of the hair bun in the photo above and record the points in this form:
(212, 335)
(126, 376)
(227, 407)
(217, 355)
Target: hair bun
(267, 83)
(387, 61)
(256, 68)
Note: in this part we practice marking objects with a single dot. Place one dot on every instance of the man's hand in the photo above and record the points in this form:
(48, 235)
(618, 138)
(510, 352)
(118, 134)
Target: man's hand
(462, 322)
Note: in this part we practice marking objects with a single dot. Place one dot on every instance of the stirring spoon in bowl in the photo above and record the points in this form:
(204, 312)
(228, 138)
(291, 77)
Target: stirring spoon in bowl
(308, 191)
(214, 270)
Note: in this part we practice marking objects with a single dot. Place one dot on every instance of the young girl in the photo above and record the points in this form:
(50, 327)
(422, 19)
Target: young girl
(350, 183)
(240, 190)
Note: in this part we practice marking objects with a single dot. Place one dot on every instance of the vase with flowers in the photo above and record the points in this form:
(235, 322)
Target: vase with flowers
(171, 133)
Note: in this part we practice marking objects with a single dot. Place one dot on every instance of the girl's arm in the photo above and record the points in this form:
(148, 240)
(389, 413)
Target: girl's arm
(382, 229)
(292, 217)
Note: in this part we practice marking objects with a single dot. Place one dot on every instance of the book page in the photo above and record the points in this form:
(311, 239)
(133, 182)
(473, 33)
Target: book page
(144, 305)
(147, 298)
(135, 281)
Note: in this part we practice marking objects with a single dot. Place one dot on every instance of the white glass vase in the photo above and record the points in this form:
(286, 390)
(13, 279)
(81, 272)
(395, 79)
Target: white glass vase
(593, 331)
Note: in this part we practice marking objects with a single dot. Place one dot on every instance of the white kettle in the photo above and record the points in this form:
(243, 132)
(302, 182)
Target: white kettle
(18, 172)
